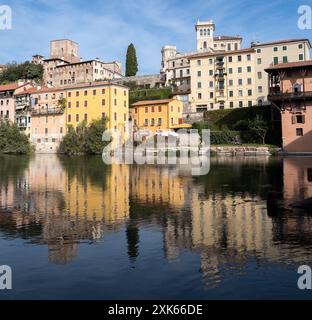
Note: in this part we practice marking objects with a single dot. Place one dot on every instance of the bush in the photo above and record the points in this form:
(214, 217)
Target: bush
(12, 140)
(224, 137)
(84, 140)
(150, 94)
(241, 125)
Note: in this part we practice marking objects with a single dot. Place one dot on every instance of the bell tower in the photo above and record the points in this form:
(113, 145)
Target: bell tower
(205, 31)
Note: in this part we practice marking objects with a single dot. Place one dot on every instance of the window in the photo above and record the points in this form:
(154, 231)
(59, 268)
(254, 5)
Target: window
(300, 57)
(69, 118)
(153, 109)
(260, 75)
(199, 85)
(211, 95)
(103, 102)
(210, 61)
(275, 60)
(240, 93)
(284, 48)
(115, 116)
(249, 93)
(85, 117)
(300, 46)
(258, 50)
(230, 70)
(69, 104)
(146, 109)
(46, 131)
(230, 59)
(115, 102)
(146, 123)
(260, 89)
(199, 62)
(86, 103)
(159, 121)
(231, 94)
(77, 104)
(77, 93)
(77, 117)
(211, 106)
(231, 104)
(230, 83)
(299, 132)
(240, 82)
(239, 70)
(159, 109)
(229, 47)
(69, 94)
(198, 73)
(259, 61)
(239, 58)
(275, 49)
(211, 72)
(103, 115)
(153, 122)
(211, 84)
(248, 57)
(248, 69)
(249, 81)
(86, 92)
(299, 118)
(199, 96)
(249, 103)
(285, 59)
(240, 104)
(94, 92)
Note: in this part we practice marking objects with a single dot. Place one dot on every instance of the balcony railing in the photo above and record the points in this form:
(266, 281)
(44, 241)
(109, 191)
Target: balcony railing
(278, 95)
(46, 112)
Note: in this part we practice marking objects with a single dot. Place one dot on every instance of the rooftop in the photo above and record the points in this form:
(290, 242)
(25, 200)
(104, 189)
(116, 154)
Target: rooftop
(151, 102)
(260, 44)
(290, 65)
(9, 87)
(222, 38)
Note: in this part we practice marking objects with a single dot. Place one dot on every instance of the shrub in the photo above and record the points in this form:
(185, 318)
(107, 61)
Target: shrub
(224, 137)
(12, 140)
(84, 140)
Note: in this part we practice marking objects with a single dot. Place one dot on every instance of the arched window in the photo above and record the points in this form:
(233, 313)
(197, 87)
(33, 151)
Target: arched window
(205, 45)
(297, 88)
(208, 32)
(204, 32)
(201, 32)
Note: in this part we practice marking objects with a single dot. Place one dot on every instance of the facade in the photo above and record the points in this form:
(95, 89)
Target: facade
(223, 80)
(22, 96)
(7, 102)
(221, 74)
(98, 100)
(48, 119)
(290, 90)
(157, 115)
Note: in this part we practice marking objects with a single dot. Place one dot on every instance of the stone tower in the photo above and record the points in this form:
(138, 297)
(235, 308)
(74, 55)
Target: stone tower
(64, 49)
(167, 52)
(205, 32)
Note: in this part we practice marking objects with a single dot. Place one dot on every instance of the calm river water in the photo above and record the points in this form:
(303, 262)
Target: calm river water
(74, 228)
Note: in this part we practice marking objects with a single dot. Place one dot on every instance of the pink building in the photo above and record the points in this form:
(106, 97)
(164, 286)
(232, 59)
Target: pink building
(290, 90)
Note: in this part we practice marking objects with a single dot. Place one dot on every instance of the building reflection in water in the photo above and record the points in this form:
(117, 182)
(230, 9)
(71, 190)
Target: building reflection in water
(222, 216)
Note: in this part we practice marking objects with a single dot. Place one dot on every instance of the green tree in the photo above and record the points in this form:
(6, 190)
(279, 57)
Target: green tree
(12, 140)
(93, 143)
(131, 61)
(259, 127)
(26, 70)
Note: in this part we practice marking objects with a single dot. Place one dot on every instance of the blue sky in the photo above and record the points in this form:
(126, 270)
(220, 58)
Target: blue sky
(105, 28)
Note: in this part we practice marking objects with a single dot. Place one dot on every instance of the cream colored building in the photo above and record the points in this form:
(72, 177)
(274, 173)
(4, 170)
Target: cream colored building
(221, 74)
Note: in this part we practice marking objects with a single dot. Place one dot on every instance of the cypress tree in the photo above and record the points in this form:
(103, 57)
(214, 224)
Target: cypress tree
(131, 62)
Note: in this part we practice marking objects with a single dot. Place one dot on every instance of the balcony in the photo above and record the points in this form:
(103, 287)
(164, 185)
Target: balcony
(47, 111)
(276, 95)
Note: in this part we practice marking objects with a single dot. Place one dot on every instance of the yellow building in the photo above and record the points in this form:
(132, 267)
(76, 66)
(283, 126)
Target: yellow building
(98, 100)
(154, 115)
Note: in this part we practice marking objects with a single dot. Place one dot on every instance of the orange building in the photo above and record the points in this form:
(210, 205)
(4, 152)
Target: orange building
(290, 90)
(156, 115)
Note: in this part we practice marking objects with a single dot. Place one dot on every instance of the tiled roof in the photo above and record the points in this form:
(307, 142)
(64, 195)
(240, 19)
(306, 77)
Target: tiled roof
(9, 87)
(259, 44)
(217, 53)
(216, 38)
(151, 102)
(299, 64)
